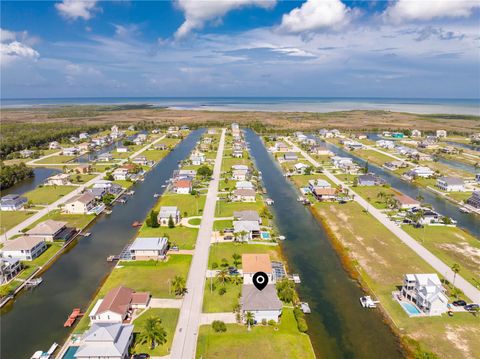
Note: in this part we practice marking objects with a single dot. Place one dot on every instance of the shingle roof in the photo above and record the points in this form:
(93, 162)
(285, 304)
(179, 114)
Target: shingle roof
(256, 262)
(117, 301)
(22, 243)
(49, 227)
(254, 299)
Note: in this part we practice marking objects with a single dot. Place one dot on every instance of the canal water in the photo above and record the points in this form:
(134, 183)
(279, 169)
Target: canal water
(338, 326)
(467, 221)
(35, 320)
(29, 184)
(468, 146)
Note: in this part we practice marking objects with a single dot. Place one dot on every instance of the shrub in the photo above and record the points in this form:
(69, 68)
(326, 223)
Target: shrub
(214, 265)
(222, 290)
(300, 318)
(219, 326)
(264, 321)
(271, 322)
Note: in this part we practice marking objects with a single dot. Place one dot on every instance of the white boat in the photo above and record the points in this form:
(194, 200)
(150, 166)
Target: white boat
(464, 210)
(45, 355)
(368, 302)
(156, 195)
(34, 282)
(296, 278)
(282, 238)
(305, 307)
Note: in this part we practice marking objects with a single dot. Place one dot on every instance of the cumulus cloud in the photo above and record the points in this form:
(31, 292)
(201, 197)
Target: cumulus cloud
(314, 15)
(408, 10)
(197, 13)
(75, 9)
(16, 50)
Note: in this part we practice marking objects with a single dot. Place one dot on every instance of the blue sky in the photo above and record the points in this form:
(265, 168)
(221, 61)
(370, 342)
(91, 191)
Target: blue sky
(332, 48)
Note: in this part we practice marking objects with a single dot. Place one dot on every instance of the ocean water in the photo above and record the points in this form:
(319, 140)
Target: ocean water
(282, 104)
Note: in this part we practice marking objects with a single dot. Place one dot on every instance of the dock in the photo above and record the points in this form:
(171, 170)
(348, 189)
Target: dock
(72, 317)
(305, 307)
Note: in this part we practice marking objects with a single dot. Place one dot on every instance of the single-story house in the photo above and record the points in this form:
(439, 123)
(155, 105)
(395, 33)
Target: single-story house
(160, 147)
(70, 151)
(185, 174)
(121, 174)
(51, 230)
(339, 161)
(54, 145)
(474, 199)
(256, 262)
(281, 147)
(320, 150)
(183, 186)
(451, 184)
(26, 153)
(12, 202)
(244, 195)
(80, 204)
(246, 230)
(166, 212)
(140, 160)
(24, 248)
(416, 133)
(106, 341)
(9, 268)
(406, 202)
(105, 157)
(300, 167)
(325, 194)
(122, 149)
(441, 133)
(318, 183)
(74, 139)
(244, 185)
(367, 180)
(290, 156)
(423, 172)
(247, 215)
(84, 168)
(264, 304)
(61, 179)
(237, 153)
(426, 292)
(395, 165)
(146, 248)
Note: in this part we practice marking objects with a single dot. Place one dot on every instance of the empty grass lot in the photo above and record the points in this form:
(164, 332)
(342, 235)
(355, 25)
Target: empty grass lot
(169, 317)
(183, 237)
(73, 220)
(188, 203)
(213, 302)
(10, 219)
(219, 251)
(228, 162)
(226, 209)
(260, 342)
(56, 159)
(83, 178)
(48, 194)
(155, 155)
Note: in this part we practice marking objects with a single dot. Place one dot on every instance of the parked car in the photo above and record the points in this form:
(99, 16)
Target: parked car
(459, 303)
(232, 270)
(471, 307)
(141, 356)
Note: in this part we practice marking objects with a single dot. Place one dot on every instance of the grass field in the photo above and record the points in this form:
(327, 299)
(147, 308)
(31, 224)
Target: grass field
(83, 178)
(10, 219)
(185, 202)
(213, 302)
(374, 156)
(226, 250)
(261, 342)
(372, 193)
(48, 194)
(155, 155)
(183, 237)
(195, 221)
(222, 224)
(226, 209)
(228, 162)
(74, 220)
(302, 180)
(56, 159)
(169, 317)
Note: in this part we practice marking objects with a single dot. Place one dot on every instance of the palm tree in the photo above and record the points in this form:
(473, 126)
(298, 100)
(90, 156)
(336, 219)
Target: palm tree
(236, 259)
(236, 279)
(249, 319)
(153, 332)
(179, 285)
(222, 276)
(455, 269)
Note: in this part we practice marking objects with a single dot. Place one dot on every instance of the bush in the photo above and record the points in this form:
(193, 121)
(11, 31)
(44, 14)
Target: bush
(264, 321)
(219, 326)
(214, 265)
(222, 290)
(300, 318)
(271, 322)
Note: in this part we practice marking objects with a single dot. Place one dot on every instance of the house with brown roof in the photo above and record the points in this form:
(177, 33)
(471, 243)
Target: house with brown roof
(183, 186)
(24, 248)
(325, 194)
(256, 262)
(51, 230)
(83, 168)
(406, 202)
(80, 204)
(244, 195)
(117, 306)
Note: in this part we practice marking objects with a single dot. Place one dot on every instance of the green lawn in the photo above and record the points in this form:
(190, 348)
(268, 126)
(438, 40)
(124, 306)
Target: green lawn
(83, 178)
(460, 196)
(219, 251)
(185, 202)
(74, 220)
(302, 180)
(10, 219)
(48, 194)
(372, 193)
(228, 162)
(169, 317)
(155, 155)
(260, 342)
(124, 184)
(374, 156)
(56, 159)
(222, 224)
(226, 209)
(213, 302)
(183, 237)
(195, 221)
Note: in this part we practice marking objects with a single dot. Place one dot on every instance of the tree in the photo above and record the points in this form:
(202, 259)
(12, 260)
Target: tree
(222, 276)
(249, 319)
(179, 286)
(78, 178)
(455, 269)
(286, 291)
(152, 220)
(365, 169)
(219, 326)
(236, 259)
(171, 224)
(152, 332)
(205, 172)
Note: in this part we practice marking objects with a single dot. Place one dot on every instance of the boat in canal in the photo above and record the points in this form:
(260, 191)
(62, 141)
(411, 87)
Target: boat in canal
(76, 312)
(367, 302)
(39, 354)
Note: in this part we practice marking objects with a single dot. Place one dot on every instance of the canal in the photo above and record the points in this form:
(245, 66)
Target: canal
(338, 326)
(29, 184)
(35, 320)
(467, 221)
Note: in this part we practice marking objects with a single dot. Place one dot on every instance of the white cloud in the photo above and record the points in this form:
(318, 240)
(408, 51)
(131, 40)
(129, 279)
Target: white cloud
(405, 10)
(315, 15)
(6, 35)
(75, 9)
(197, 13)
(16, 50)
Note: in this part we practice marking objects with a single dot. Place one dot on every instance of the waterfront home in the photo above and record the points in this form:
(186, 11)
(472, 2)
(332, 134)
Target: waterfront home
(197, 159)
(105, 157)
(83, 136)
(106, 341)
(256, 262)
(24, 248)
(474, 199)
(61, 179)
(451, 184)
(420, 172)
(240, 172)
(318, 183)
(339, 161)
(100, 141)
(477, 178)
(320, 150)
(247, 215)
(246, 230)
(122, 149)
(9, 268)
(146, 248)
(160, 147)
(290, 156)
(80, 204)
(368, 180)
(352, 145)
(118, 305)
(103, 187)
(26, 153)
(140, 160)
(167, 212)
(51, 230)
(54, 145)
(385, 144)
(420, 156)
(237, 154)
(325, 194)
(83, 168)
(406, 202)
(182, 186)
(244, 185)
(12, 202)
(395, 165)
(300, 168)
(244, 195)
(70, 151)
(280, 147)
(450, 150)
(121, 174)
(416, 133)
(426, 292)
(441, 134)
(84, 147)
(185, 174)
(429, 216)
(264, 304)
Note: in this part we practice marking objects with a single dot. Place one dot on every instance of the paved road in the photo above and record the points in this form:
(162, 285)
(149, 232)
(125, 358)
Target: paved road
(44, 211)
(468, 289)
(208, 318)
(185, 339)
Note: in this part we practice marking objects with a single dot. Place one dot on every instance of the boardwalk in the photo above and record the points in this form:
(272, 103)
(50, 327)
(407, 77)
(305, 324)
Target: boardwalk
(468, 289)
(185, 340)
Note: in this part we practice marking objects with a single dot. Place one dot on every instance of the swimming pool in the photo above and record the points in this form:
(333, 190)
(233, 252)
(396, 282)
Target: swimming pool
(265, 235)
(410, 309)
(70, 353)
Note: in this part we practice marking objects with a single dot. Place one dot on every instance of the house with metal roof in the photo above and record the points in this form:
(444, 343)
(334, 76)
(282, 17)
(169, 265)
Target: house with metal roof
(146, 248)
(166, 212)
(264, 304)
(12, 202)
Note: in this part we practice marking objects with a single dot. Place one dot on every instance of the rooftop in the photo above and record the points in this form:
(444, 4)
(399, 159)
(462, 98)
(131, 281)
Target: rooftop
(256, 262)
(254, 299)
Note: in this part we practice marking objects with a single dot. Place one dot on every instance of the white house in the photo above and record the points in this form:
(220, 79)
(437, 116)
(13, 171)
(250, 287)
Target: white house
(451, 184)
(166, 212)
(61, 179)
(244, 195)
(70, 151)
(183, 186)
(80, 204)
(318, 183)
(246, 230)
(9, 268)
(121, 174)
(122, 149)
(146, 248)
(54, 145)
(257, 262)
(105, 157)
(12, 202)
(300, 167)
(416, 133)
(423, 172)
(244, 185)
(197, 159)
(263, 304)
(24, 248)
(385, 144)
(426, 292)
(26, 153)
(441, 133)
(281, 147)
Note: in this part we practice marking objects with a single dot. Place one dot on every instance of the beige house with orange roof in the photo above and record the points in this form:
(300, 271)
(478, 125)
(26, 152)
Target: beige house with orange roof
(256, 262)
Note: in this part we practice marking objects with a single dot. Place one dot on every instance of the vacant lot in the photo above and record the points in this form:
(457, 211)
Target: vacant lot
(221, 251)
(10, 219)
(48, 194)
(214, 302)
